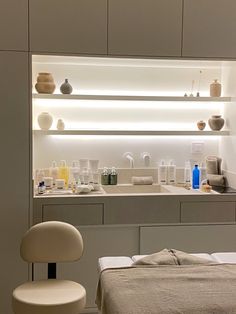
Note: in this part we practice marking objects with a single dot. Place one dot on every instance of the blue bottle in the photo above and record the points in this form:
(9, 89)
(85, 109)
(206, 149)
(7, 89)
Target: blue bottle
(196, 177)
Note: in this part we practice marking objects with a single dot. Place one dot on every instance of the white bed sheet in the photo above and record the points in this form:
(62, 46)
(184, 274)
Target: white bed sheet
(125, 261)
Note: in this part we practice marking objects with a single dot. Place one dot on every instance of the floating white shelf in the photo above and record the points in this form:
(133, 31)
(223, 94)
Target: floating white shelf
(132, 98)
(131, 132)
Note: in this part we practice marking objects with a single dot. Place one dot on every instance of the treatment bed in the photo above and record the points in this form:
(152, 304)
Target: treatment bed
(209, 288)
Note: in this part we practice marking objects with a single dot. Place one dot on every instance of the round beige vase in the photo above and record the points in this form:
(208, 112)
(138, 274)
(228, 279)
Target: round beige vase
(45, 83)
(60, 125)
(45, 121)
(216, 123)
(215, 89)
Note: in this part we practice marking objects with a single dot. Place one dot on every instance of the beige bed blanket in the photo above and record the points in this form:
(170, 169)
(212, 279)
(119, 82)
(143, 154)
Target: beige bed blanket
(180, 289)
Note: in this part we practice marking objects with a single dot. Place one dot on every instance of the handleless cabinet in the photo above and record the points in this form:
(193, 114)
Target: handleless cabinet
(72, 26)
(14, 25)
(145, 27)
(15, 161)
(209, 28)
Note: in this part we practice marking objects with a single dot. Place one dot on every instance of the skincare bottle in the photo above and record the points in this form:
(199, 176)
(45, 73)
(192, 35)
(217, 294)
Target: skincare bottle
(54, 172)
(85, 175)
(74, 172)
(187, 174)
(113, 176)
(64, 172)
(203, 172)
(105, 176)
(41, 188)
(196, 177)
(162, 173)
(39, 175)
(171, 173)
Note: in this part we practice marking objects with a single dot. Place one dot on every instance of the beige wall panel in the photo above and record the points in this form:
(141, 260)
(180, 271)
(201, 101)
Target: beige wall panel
(192, 239)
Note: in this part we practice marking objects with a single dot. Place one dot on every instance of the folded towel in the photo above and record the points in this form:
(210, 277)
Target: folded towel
(216, 179)
(213, 164)
(142, 180)
(171, 257)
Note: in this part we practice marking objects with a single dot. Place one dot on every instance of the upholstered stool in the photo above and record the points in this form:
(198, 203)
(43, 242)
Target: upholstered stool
(50, 242)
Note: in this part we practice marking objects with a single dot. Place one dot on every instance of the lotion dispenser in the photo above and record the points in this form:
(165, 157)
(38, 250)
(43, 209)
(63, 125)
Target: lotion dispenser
(171, 173)
(187, 174)
(162, 173)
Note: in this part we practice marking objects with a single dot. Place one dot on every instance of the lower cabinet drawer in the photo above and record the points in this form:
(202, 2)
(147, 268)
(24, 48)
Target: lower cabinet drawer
(140, 210)
(81, 214)
(207, 211)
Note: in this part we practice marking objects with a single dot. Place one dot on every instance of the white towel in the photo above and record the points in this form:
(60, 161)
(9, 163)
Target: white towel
(142, 180)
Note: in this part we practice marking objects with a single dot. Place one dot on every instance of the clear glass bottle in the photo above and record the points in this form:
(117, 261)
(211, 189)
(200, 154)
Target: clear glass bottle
(54, 172)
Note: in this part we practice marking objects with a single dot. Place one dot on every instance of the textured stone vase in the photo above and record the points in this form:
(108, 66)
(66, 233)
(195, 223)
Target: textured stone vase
(215, 89)
(45, 121)
(66, 88)
(216, 123)
(45, 83)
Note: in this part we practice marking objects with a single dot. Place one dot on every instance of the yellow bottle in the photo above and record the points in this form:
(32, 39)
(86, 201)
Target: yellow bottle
(63, 172)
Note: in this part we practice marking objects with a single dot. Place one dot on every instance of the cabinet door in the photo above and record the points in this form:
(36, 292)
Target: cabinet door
(72, 26)
(145, 27)
(142, 209)
(14, 25)
(207, 212)
(209, 28)
(15, 189)
(77, 215)
(189, 238)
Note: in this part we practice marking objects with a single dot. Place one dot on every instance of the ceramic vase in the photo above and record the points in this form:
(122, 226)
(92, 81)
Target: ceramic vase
(60, 125)
(216, 123)
(45, 121)
(45, 83)
(66, 88)
(215, 89)
(201, 125)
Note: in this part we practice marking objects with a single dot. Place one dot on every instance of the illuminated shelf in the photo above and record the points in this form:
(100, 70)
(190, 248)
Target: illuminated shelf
(132, 132)
(132, 98)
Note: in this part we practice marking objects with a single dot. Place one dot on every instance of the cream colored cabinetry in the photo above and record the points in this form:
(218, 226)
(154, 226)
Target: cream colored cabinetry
(207, 212)
(80, 214)
(189, 238)
(15, 172)
(209, 28)
(145, 27)
(72, 26)
(14, 25)
(140, 210)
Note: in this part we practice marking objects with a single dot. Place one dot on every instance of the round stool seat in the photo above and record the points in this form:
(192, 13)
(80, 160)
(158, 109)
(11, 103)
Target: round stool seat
(49, 297)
